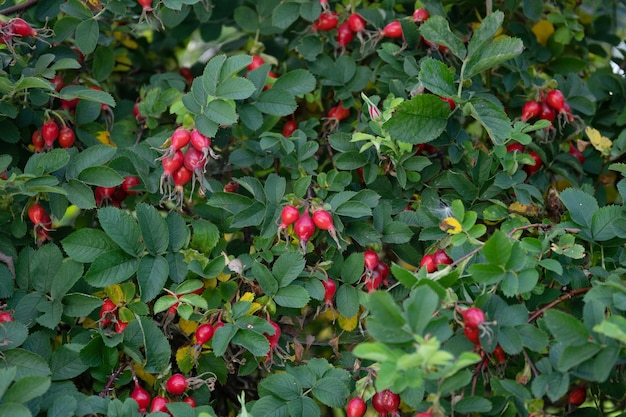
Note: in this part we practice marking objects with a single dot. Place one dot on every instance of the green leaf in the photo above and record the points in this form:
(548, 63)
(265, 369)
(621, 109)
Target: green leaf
(575, 355)
(298, 81)
(347, 300)
(331, 392)
(270, 406)
(178, 231)
(67, 275)
(80, 305)
(65, 362)
(292, 296)
(419, 120)
(14, 410)
(221, 111)
(281, 385)
(487, 274)
(566, 329)
(235, 88)
(498, 248)
(473, 405)
(437, 77)
(436, 29)
(276, 102)
(13, 334)
(397, 232)
(92, 156)
(303, 407)
(275, 187)
(287, 268)
(285, 14)
(110, 268)
(85, 245)
(353, 209)
(493, 119)
(79, 194)
(103, 62)
(602, 222)
(205, 235)
(85, 93)
(485, 32)
(87, 33)
(492, 54)
(581, 206)
(231, 202)
(49, 162)
(419, 308)
(144, 332)
(254, 342)
(27, 388)
(26, 83)
(44, 266)
(222, 338)
(154, 230)
(246, 18)
(26, 362)
(552, 265)
(613, 327)
(121, 228)
(264, 277)
(52, 311)
(152, 274)
(386, 322)
(63, 406)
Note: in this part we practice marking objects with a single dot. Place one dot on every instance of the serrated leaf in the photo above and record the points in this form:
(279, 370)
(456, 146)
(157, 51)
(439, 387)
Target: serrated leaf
(330, 391)
(473, 405)
(237, 88)
(85, 245)
(44, 265)
(419, 308)
(110, 268)
(602, 222)
(287, 268)
(152, 273)
(485, 32)
(347, 300)
(121, 228)
(292, 296)
(498, 249)
(285, 14)
(205, 235)
(270, 406)
(153, 226)
(87, 33)
(492, 54)
(419, 120)
(566, 328)
(27, 388)
(298, 81)
(65, 362)
(436, 29)
(493, 119)
(581, 206)
(276, 102)
(283, 386)
(221, 111)
(437, 77)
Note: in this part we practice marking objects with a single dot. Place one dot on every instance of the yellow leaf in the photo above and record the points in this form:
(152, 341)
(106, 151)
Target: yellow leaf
(248, 296)
(451, 226)
(222, 277)
(187, 326)
(601, 143)
(348, 323)
(524, 209)
(104, 137)
(115, 293)
(184, 359)
(543, 30)
(143, 375)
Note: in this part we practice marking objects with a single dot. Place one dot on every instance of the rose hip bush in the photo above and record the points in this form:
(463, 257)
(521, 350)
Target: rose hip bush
(309, 208)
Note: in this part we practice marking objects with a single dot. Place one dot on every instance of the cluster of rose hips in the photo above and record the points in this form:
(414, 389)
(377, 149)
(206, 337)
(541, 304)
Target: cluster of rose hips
(376, 271)
(176, 385)
(432, 261)
(42, 222)
(551, 105)
(44, 139)
(473, 324)
(304, 225)
(15, 30)
(113, 196)
(109, 315)
(184, 160)
(385, 402)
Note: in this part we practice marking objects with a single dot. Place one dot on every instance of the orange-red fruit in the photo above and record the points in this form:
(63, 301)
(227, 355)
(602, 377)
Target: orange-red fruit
(577, 396)
(370, 259)
(330, 288)
(323, 220)
(356, 407)
(441, 257)
(176, 384)
(530, 109)
(472, 317)
(428, 262)
(338, 112)
(576, 153)
(531, 169)
(66, 137)
(304, 227)
(356, 22)
(289, 215)
(556, 100)
(420, 15)
(141, 396)
(326, 21)
(289, 127)
(392, 30)
(204, 333)
(159, 404)
(5, 317)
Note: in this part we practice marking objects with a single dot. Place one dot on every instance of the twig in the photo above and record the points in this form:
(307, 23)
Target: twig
(9, 261)
(18, 7)
(112, 379)
(568, 295)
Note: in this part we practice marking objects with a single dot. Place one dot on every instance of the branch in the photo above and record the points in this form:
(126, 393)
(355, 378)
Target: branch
(568, 295)
(18, 7)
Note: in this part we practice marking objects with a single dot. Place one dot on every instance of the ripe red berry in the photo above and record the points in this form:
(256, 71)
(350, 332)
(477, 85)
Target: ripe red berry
(204, 333)
(420, 15)
(370, 259)
(190, 401)
(472, 317)
(129, 184)
(429, 263)
(356, 407)
(385, 401)
(257, 61)
(50, 133)
(194, 160)
(530, 110)
(373, 280)
(289, 127)
(338, 112)
(231, 187)
(556, 100)
(5, 317)
(441, 257)
(159, 404)
(57, 82)
(273, 338)
(472, 335)
(37, 214)
(547, 112)
(120, 326)
(200, 142)
(515, 146)
(176, 384)
(173, 163)
(180, 138)
(326, 21)
(345, 35)
(20, 27)
(392, 30)
(383, 268)
(66, 137)
(107, 312)
(141, 396)
(499, 353)
(145, 4)
(577, 396)
(323, 220)
(304, 227)
(289, 215)
(181, 177)
(330, 288)
(37, 141)
(573, 150)
(356, 22)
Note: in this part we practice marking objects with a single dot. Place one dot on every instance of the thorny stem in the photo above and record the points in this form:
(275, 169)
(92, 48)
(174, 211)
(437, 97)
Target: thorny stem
(112, 379)
(568, 295)
(18, 7)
